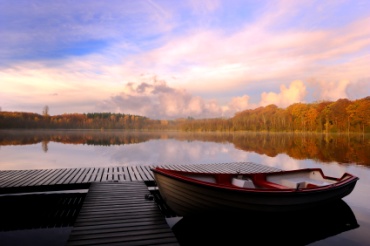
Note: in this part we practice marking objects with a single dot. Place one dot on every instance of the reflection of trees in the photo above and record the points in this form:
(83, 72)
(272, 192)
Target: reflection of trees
(105, 138)
(342, 148)
(44, 145)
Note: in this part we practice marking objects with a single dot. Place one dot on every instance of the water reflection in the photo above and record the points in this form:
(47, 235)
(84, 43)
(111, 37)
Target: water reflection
(291, 228)
(319, 147)
(45, 145)
(25, 150)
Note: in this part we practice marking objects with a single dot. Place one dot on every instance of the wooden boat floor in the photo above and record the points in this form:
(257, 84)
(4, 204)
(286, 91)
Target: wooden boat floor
(119, 214)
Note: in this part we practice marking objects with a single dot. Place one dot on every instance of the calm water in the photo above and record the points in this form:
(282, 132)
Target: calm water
(335, 154)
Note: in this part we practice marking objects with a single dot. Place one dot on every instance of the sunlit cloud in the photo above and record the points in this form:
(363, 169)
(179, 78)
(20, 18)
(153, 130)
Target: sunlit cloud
(331, 91)
(360, 89)
(296, 92)
(157, 100)
(34, 85)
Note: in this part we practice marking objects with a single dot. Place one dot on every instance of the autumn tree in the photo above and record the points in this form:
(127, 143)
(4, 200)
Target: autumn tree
(45, 110)
(298, 111)
(359, 113)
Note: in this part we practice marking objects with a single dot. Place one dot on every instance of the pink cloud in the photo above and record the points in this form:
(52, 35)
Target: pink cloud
(156, 99)
(205, 60)
(296, 92)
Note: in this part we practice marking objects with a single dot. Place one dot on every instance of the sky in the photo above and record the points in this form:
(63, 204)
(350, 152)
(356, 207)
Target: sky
(171, 59)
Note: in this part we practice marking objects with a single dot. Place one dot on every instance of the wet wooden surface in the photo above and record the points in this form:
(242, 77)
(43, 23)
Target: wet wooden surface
(119, 214)
(73, 176)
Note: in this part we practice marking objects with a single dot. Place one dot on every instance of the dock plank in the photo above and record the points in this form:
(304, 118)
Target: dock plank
(140, 173)
(83, 175)
(126, 174)
(37, 178)
(119, 214)
(10, 177)
(58, 177)
(99, 175)
(14, 182)
(49, 180)
(64, 179)
(73, 176)
(90, 176)
(80, 172)
(131, 174)
(103, 177)
(147, 172)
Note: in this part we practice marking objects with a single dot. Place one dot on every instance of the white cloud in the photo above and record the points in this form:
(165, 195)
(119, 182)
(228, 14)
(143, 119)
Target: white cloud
(237, 104)
(331, 90)
(156, 99)
(287, 96)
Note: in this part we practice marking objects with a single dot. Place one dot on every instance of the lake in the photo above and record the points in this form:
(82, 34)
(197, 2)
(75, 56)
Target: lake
(335, 154)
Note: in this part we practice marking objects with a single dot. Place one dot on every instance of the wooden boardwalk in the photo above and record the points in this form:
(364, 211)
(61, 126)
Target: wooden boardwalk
(115, 210)
(119, 214)
(59, 179)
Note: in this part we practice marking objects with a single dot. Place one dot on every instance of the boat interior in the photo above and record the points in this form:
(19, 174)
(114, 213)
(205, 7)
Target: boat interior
(283, 180)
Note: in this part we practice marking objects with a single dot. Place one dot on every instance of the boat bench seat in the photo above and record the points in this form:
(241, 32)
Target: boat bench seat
(268, 184)
(243, 183)
(303, 183)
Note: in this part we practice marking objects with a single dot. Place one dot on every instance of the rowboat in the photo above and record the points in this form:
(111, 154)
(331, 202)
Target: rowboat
(196, 193)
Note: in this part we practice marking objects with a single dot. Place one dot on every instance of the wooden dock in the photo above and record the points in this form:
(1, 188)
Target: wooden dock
(79, 178)
(119, 214)
(115, 210)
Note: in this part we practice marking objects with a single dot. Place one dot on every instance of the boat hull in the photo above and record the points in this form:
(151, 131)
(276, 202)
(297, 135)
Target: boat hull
(187, 198)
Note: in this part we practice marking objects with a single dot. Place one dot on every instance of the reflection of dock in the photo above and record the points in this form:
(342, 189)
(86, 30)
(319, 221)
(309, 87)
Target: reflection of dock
(121, 205)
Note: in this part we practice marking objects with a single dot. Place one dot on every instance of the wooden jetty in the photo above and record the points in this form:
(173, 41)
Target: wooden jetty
(76, 178)
(116, 209)
(119, 214)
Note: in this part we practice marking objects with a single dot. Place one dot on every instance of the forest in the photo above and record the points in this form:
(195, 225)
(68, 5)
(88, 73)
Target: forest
(343, 115)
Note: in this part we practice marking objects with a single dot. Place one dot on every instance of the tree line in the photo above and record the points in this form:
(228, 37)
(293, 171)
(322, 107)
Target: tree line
(12, 120)
(343, 115)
